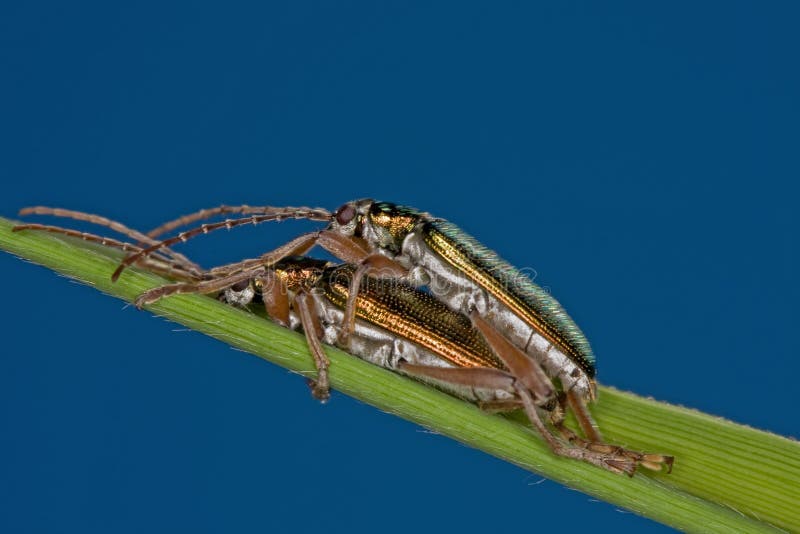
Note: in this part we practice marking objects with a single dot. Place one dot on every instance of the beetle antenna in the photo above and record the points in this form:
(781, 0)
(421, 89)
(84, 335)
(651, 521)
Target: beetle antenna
(276, 214)
(314, 214)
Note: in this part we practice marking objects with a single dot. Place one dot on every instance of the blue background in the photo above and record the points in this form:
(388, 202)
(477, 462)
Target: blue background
(643, 160)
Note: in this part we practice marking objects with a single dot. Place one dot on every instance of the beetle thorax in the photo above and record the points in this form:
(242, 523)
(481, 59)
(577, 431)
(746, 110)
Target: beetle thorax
(386, 225)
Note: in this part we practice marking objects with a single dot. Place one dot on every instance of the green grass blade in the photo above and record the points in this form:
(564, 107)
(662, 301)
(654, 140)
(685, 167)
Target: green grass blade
(727, 477)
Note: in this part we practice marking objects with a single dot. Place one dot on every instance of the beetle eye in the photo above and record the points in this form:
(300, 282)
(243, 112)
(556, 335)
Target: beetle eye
(345, 214)
(240, 286)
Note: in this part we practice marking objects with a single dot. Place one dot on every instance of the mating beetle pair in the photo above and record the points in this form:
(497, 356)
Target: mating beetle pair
(484, 331)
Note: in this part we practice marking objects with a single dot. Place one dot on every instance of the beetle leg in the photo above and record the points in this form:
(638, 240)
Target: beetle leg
(522, 366)
(374, 265)
(500, 406)
(275, 297)
(320, 388)
(607, 459)
(296, 247)
(167, 270)
(209, 286)
(347, 249)
(530, 376)
(610, 457)
(355, 250)
(231, 268)
(477, 377)
(654, 462)
(584, 417)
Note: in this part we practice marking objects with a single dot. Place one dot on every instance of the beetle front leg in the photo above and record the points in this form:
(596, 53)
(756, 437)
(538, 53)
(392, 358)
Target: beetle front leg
(296, 247)
(355, 251)
(209, 286)
(375, 266)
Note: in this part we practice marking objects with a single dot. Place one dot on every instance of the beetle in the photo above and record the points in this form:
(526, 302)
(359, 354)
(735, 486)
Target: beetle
(385, 239)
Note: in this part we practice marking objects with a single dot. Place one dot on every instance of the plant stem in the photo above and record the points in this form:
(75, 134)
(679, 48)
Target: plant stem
(727, 477)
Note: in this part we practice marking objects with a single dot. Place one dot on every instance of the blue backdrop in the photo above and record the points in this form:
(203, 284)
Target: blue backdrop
(642, 160)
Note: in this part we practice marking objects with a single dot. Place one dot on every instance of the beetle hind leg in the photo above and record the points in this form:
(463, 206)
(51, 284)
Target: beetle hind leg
(606, 459)
(595, 442)
(651, 461)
